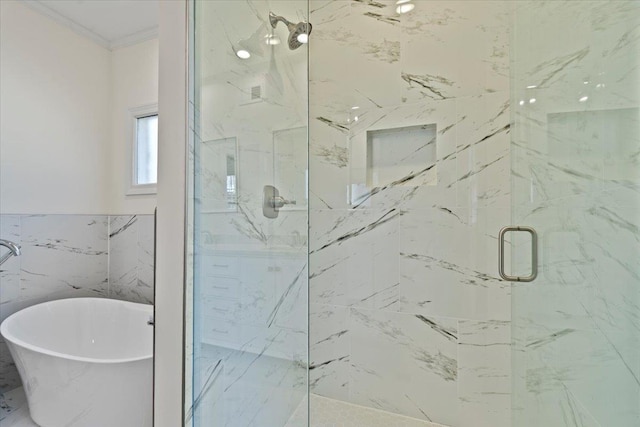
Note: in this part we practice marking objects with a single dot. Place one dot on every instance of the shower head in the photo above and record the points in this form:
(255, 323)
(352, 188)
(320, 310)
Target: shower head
(298, 33)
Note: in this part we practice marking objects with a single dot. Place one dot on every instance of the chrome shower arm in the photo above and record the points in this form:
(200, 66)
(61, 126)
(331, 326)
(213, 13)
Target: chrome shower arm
(274, 19)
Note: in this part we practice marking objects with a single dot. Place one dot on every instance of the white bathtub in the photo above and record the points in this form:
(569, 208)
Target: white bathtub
(84, 362)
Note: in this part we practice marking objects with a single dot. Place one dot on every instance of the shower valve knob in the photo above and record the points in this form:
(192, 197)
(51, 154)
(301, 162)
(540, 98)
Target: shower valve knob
(272, 201)
(278, 202)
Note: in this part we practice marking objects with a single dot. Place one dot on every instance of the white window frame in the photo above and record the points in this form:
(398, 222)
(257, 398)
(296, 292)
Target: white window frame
(135, 114)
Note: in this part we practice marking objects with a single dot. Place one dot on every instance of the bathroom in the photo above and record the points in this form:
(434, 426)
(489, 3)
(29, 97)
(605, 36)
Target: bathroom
(367, 212)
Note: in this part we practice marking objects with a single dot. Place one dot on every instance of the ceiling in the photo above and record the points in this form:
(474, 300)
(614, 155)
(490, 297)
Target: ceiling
(110, 23)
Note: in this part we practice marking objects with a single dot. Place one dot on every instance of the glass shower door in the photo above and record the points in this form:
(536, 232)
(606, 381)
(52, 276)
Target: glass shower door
(247, 350)
(576, 181)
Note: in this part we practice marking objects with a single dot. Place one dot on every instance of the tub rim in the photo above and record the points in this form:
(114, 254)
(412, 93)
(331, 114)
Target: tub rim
(11, 338)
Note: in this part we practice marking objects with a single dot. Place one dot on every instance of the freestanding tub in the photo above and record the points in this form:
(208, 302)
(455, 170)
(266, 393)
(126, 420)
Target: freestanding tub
(84, 362)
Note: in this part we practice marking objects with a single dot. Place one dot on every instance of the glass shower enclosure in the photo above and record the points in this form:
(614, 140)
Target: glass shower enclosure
(349, 197)
(248, 301)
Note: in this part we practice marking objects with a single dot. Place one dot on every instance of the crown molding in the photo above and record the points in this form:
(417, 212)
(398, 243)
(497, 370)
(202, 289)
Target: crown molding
(128, 40)
(135, 38)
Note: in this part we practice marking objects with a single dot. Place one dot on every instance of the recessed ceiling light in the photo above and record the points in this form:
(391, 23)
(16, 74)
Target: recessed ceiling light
(271, 40)
(583, 99)
(532, 101)
(405, 8)
(243, 54)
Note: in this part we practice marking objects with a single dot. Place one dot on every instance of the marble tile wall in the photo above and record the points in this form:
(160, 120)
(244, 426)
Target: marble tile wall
(577, 351)
(131, 258)
(407, 312)
(65, 256)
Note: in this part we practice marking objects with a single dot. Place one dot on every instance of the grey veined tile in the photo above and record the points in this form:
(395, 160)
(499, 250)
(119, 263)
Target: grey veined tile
(395, 355)
(64, 254)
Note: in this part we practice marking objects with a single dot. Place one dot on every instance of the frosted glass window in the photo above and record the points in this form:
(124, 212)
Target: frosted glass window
(146, 150)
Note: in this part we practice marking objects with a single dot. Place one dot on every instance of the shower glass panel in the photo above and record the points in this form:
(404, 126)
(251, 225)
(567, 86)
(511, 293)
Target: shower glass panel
(247, 348)
(428, 127)
(576, 179)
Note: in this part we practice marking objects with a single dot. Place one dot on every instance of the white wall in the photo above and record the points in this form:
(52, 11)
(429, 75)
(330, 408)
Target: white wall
(54, 109)
(64, 117)
(134, 79)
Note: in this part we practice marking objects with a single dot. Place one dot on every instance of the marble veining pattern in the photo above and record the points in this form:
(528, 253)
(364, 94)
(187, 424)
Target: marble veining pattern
(131, 258)
(14, 411)
(407, 310)
(575, 175)
(324, 412)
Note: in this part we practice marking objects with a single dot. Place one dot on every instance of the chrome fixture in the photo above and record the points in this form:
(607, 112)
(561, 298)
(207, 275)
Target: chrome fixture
(14, 250)
(298, 33)
(272, 201)
(534, 254)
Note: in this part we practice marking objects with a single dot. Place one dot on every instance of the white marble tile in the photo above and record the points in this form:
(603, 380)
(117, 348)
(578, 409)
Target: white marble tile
(131, 259)
(18, 418)
(63, 254)
(10, 270)
(405, 364)
(354, 258)
(577, 182)
(584, 304)
(374, 43)
(14, 411)
(484, 373)
(596, 50)
(9, 377)
(328, 158)
(247, 387)
(123, 251)
(329, 350)
(146, 257)
(426, 181)
(449, 262)
(347, 184)
(470, 41)
(433, 230)
(324, 412)
(367, 48)
(574, 374)
(483, 151)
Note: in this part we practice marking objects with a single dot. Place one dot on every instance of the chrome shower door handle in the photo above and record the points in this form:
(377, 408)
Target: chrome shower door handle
(534, 254)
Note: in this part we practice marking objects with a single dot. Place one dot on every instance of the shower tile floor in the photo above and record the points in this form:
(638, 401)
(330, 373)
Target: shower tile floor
(14, 411)
(325, 412)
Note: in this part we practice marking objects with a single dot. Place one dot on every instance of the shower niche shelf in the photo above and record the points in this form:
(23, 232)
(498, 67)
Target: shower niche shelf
(401, 156)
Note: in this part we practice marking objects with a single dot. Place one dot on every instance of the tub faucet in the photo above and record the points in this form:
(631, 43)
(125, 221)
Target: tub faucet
(14, 250)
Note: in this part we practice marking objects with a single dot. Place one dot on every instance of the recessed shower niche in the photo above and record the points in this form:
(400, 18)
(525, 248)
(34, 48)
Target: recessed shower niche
(395, 156)
(392, 157)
